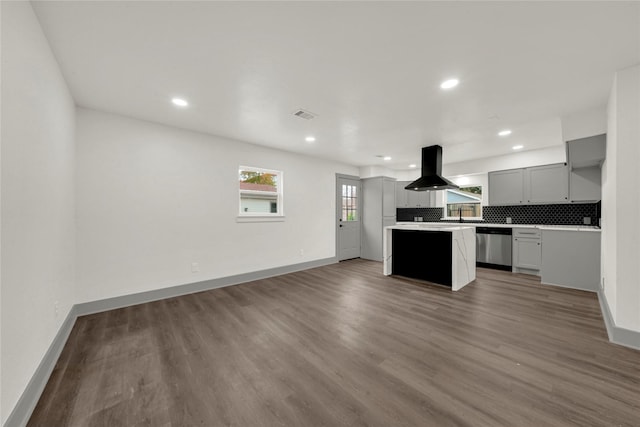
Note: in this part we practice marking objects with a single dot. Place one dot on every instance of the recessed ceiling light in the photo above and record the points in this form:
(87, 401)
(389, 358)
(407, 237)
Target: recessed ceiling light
(518, 147)
(412, 165)
(504, 132)
(310, 139)
(179, 102)
(387, 158)
(448, 84)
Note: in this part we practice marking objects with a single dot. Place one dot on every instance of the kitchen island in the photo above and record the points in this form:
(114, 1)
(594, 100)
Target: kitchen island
(440, 254)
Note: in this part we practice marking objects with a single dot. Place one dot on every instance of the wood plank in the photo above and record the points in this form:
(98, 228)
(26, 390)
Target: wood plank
(345, 345)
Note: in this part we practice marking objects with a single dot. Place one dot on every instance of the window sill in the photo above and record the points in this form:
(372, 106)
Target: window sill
(258, 218)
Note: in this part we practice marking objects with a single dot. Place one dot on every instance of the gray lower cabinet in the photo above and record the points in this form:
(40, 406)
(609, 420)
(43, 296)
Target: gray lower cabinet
(571, 259)
(413, 199)
(506, 187)
(527, 250)
(378, 211)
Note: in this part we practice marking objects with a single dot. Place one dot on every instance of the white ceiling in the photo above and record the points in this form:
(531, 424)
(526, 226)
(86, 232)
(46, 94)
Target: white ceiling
(369, 70)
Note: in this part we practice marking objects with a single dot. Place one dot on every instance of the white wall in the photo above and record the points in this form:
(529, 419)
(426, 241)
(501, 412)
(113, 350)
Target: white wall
(609, 223)
(37, 215)
(375, 170)
(621, 201)
(543, 156)
(153, 199)
(582, 124)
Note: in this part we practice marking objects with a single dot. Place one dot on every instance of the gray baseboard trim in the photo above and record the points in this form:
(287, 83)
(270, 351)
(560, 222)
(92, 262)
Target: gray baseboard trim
(190, 288)
(617, 335)
(21, 413)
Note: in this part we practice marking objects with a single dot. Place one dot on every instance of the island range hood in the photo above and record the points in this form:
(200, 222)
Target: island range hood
(431, 178)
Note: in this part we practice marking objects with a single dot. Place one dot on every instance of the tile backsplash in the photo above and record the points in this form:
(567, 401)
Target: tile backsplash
(556, 214)
(427, 214)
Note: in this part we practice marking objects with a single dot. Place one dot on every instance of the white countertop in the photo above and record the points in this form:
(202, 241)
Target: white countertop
(484, 224)
(427, 226)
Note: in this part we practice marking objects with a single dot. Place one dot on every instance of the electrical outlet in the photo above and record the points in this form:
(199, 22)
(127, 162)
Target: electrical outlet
(195, 267)
(56, 308)
(301, 252)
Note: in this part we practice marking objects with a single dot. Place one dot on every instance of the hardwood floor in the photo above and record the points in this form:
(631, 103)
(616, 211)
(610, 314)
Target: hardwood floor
(345, 345)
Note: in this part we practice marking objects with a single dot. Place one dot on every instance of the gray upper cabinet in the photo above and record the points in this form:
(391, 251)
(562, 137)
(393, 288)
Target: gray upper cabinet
(585, 184)
(506, 187)
(546, 184)
(378, 211)
(587, 152)
(539, 184)
(401, 194)
(585, 157)
(388, 198)
(413, 199)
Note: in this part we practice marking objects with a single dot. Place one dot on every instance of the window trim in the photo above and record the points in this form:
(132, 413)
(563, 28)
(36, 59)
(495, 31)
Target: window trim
(261, 216)
(446, 210)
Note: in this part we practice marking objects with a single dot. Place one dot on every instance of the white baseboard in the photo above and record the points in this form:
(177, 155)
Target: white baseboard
(29, 398)
(617, 335)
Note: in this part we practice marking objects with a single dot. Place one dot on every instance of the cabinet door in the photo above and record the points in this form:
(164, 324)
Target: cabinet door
(571, 258)
(526, 253)
(506, 187)
(426, 199)
(585, 184)
(388, 197)
(401, 194)
(587, 152)
(547, 184)
(417, 199)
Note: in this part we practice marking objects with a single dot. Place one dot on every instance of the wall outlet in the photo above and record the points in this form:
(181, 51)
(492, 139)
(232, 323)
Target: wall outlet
(56, 308)
(195, 267)
(301, 252)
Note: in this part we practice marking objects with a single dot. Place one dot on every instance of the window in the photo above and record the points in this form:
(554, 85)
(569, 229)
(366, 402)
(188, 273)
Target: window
(260, 192)
(465, 202)
(349, 202)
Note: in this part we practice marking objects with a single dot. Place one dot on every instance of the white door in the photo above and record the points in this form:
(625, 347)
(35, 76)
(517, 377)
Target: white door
(348, 205)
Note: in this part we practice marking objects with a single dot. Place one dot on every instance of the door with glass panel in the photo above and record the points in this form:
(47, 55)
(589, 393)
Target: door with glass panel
(348, 205)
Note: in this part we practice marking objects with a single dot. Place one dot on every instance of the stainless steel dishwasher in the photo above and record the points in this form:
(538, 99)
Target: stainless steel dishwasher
(493, 247)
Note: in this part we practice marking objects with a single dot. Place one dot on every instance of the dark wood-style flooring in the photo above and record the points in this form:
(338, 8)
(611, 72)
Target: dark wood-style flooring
(345, 345)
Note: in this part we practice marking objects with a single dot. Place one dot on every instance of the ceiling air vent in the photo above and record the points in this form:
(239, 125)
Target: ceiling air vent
(304, 114)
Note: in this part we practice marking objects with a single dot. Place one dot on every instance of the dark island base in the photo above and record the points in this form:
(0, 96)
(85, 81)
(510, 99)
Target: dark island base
(423, 255)
(493, 266)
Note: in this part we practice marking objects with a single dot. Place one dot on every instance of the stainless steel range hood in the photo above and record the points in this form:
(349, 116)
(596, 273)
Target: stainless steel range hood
(431, 178)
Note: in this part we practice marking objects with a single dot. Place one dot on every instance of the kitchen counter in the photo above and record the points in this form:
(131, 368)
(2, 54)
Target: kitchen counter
(429, 250)
(589, 228)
